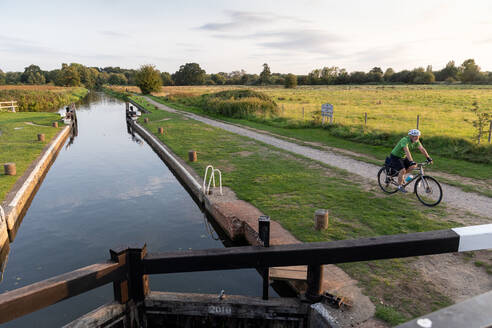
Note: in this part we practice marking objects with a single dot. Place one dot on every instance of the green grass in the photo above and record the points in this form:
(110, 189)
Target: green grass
(18, 142)
(444, 164)
(289, 188)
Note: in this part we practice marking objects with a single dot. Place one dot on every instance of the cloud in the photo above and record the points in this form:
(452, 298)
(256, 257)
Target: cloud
(242, 19)
(272, 31)
(114, 34)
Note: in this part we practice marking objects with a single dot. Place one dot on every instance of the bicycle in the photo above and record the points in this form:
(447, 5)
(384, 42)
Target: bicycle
(427, 189)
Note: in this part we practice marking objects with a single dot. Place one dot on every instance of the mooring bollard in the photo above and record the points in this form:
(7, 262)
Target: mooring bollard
(264, 235)
(10, 169)
(146, 120)
(41, 137)
(55, 124)
(192, 156)
(321, 219)
(160, 130)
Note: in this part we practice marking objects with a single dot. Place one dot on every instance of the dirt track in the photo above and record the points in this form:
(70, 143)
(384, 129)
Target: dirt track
(454, 197)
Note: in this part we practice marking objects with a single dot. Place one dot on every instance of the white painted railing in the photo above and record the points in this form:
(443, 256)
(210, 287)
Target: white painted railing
(8, 104)
(206, 189)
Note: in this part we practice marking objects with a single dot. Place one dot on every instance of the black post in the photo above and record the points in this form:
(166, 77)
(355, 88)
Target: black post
(314, 282)
(418, 121)
(135, 285)
(264, 234)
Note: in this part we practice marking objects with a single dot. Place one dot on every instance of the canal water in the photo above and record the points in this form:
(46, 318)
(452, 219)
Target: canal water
(107, 190)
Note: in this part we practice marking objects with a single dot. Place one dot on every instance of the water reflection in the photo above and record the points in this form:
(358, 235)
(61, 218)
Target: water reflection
(110, 189)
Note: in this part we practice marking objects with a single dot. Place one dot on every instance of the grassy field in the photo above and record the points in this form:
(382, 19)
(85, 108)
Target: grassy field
(40, 98)
(290, 188)
(443, 110)
(18, 142)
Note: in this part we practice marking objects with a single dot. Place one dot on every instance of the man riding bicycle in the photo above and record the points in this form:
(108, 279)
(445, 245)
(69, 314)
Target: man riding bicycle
(401, 159)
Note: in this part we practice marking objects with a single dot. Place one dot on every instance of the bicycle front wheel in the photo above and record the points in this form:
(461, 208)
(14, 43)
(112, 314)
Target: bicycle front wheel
(387, 182)
(428, 190)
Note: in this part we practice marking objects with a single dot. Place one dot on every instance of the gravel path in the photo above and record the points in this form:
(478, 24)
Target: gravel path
(475, 203)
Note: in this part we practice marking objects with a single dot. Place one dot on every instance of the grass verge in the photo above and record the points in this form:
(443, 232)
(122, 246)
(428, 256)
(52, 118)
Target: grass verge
(18, 142)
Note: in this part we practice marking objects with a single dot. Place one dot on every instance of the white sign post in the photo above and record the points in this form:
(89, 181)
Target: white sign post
(327, 111)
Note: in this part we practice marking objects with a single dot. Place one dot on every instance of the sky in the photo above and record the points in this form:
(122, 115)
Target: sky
(223, 36)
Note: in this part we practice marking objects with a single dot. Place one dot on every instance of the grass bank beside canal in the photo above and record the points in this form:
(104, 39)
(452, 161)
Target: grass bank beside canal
(290, 188)
(18, 142)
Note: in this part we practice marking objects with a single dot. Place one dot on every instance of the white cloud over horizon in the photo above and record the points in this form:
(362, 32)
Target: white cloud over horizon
(291, 36)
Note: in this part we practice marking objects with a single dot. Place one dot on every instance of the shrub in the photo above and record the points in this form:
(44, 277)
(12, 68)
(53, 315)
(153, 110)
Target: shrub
(148, 79)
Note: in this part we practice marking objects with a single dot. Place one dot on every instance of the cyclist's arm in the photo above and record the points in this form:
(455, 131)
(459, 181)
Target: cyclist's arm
(407, 152)
(423, 151)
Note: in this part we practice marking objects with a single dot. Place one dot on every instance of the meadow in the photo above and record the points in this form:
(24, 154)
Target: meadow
(40, 98)
(444, 110)
(444, 113)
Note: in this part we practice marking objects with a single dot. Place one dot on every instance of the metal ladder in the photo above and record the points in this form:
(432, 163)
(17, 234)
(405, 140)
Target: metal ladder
(206, 189)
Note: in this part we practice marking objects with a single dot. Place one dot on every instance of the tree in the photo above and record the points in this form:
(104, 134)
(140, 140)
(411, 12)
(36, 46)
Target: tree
(218, 79)
(12, 77)
(70, 76)
(189, 74)
(148, 79)
(358, 77)
(481, 121)
(117, 79)
(166, 79)
(448, 73)
(469, 71)
(33, 75)
(375, 75)
(265, 74)
(3, 77)
(291, 81)
(388, 73)
(329, 75)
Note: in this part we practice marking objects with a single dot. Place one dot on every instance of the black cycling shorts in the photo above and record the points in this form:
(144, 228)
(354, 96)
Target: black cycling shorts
(399, 163)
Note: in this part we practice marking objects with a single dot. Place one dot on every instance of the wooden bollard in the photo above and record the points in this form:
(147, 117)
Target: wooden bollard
(160, 130)
(41, 137)
(321, 219)
(146, 120)
(10, 169)
(55, 124)
(192, 156)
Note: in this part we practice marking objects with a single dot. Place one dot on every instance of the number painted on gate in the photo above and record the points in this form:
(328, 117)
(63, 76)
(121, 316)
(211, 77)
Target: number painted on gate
(219, 310)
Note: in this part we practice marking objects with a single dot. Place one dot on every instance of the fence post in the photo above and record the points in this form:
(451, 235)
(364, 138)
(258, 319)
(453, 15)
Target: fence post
(136, 285)
(418, 120)
(303, 113)
(490, 130)
(365, 118)
(314, 282)
(264, 234)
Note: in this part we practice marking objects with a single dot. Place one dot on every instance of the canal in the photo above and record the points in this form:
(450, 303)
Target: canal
(103, 191)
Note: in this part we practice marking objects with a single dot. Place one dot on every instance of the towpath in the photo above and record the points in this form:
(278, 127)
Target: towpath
(472, 202)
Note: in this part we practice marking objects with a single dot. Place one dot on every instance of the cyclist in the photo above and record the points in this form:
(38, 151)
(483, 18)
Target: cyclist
(401, 158)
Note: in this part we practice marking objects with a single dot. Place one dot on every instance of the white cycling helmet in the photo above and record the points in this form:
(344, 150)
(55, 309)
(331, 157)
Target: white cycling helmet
(414, 132)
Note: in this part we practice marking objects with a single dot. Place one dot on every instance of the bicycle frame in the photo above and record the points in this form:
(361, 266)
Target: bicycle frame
(420, 168)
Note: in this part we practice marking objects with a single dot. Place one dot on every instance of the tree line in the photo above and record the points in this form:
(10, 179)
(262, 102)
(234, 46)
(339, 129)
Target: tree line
(192, 74)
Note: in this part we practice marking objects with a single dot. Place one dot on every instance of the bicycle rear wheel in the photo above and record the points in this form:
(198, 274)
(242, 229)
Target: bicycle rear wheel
(428, 190)
(387, 182)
